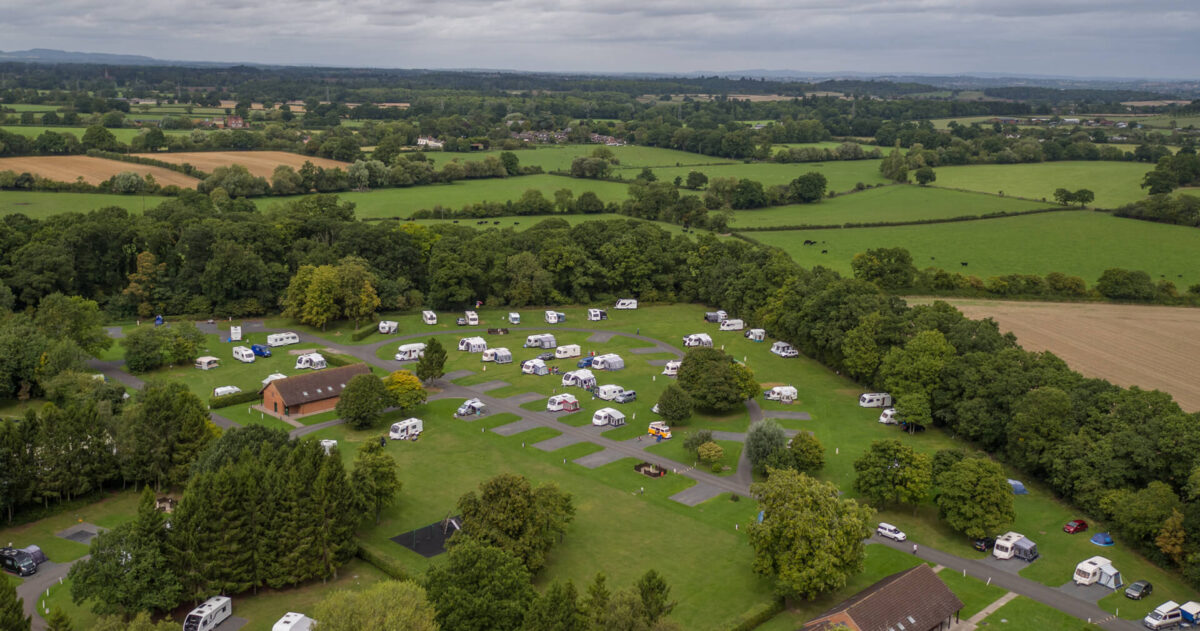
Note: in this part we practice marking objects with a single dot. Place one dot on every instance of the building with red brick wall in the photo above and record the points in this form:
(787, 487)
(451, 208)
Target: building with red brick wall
(309, 393)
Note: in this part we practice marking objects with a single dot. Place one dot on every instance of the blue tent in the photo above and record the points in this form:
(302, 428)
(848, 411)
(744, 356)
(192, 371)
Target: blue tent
(760, 516)
(1102, 539)
(1017, 487)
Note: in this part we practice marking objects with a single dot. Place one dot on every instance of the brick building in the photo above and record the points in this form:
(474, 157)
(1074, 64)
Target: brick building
(912, 600)
(309, 393)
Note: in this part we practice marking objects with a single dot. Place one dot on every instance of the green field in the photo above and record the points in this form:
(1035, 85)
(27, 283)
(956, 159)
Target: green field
(1077, 243)
(559, 157)
(886, 203)
(974, 593)
(1114, 183)
(39, 205)
(841, 175)
(122, 134)
(114, 509)
(830, 144)
(401, 202)
(1023, 614)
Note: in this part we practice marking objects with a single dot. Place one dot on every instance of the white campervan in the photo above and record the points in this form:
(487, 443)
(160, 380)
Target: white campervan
(875, 400)
(732, 325)
(608, 361)
(567, 350)
(672, 367)
(626, 303)
(282, 339)
(315, 361)
(596, 315)
(410, 352)
(472, 318)
(429, 317)
(388, 326)
(243, 354)
(408, 429)
(209, 614)
(534, 367)
(235, 334)
(292, 621)
(609, 391)
(207, 362)
(562, 403)
(782, 394)
(514, 317)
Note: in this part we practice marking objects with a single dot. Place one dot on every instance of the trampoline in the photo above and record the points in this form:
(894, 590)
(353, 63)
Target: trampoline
(430, 541)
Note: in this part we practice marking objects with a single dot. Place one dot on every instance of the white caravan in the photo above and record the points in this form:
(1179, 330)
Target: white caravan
(582, 378)
(408, 429)
(889, 417)
(756, 335)
(498, 355)
(555, 317)
(608, 361)
(697, 340)
(514, 317)
(875, 400)
(410, 352)
(224, 391)
(208, 362)
(541, 340)
(472, 344)
(472, 318)
(567, 350)
(595, 315)
(275, 376)
(243, 354)
(534, 367)
(562, 402)
(310, 360)
(282, 339)
(672, 367)
(783, 349)
(429, 317)
(1097, 570)
(782, 394)
(235, 334)
(209, 614)
(388, 326)
(292, 621)
(732, 325)
(609, 391)
(608, 416)
(626, 303)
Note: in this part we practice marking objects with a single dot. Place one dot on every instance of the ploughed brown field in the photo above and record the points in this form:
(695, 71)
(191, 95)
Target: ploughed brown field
(261, 163)
(1155, 348)
(92, 170)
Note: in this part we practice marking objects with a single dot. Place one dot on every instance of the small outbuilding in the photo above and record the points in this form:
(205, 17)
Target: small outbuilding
(472, 344)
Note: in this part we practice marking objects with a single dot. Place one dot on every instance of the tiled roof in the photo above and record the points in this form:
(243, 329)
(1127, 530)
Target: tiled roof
(316, 386)
(912, 600)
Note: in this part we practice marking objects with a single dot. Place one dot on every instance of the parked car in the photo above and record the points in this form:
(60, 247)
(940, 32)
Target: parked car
(260, 350)
(461, 322)
(985, 544)
(586, 362)
(629, 396)
(891, 532)
(1074, 526)
(546, 357)
(1139, 590)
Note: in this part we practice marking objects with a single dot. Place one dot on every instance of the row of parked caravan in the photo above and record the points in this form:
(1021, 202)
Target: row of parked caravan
(471, 318)
(211, 613)
(704, 340)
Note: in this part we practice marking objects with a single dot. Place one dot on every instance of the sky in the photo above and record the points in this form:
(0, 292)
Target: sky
(1110, 38)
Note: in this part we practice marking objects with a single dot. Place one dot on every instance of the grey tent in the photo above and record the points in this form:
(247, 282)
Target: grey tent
(36, 554)
(1025, 549)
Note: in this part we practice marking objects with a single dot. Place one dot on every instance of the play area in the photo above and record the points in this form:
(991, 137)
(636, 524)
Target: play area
(430, 541)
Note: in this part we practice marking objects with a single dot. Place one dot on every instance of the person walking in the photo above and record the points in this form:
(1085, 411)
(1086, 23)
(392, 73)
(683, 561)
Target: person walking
(914, 548)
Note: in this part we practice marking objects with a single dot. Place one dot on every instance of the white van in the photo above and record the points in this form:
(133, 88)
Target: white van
(1165, 616)
(292, 621)
(732, 325)
(567, 350)
(243, 354)
(408, 429)
(875, 400)
(388, 326)
(235, 334)
(282, 339)
(224, 391)
(472, 318)
(209, 614)
(888, 417)
(410, 352)
(429, 317)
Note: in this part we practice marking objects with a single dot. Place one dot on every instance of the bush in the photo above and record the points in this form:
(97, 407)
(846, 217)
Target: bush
(382, 562)
(364, 332)
(232, 399)
(758, 615)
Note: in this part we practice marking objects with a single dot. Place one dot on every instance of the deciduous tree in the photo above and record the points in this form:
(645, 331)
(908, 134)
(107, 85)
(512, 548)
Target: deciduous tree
(374, 479)
(674, 404)
(974, 498)
(512, 515)
(363, 400)
(479, 588)
(890, 471)
(405, 389)
(384, 605)
(764, 439)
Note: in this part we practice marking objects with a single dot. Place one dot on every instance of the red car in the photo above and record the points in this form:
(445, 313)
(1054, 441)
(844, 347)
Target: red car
(1074, 526)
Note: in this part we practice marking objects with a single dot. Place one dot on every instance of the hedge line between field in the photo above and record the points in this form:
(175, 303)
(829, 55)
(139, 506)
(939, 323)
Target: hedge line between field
(364, 332)
(185, 168)
(381, 561)
(758, 615)
(231, 399)
(916, 222)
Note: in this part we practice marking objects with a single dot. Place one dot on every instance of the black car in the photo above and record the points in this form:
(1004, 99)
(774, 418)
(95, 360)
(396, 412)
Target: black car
(985, 544)
(546, 356)
(1139, 590)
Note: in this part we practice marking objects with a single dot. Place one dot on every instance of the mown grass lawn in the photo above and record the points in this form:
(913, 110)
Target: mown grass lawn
(885, 203)
(1023, 614)
(974, 593)
(40, 204)
(559, 157)
(115, 508)
(1079, 243)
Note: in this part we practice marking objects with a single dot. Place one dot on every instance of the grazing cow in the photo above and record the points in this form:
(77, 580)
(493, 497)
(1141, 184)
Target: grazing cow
(824, 251)
(963, 263)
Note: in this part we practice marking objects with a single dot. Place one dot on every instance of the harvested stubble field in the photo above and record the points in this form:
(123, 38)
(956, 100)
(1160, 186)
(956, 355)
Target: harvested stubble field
(260, 163)
(1152, 347)
(92, 170)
